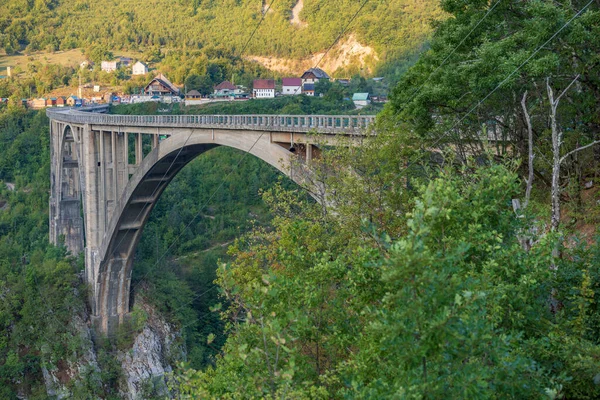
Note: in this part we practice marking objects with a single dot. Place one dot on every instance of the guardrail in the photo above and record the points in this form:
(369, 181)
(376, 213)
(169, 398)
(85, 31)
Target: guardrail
(339, 124)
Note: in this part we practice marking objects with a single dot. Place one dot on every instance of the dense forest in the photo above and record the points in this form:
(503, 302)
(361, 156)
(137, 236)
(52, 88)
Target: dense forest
(454, 254)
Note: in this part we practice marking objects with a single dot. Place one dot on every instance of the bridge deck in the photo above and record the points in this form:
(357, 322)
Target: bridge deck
(331, 124)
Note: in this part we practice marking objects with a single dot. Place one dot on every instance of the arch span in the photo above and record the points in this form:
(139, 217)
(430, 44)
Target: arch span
(113, 275)
(119, 186)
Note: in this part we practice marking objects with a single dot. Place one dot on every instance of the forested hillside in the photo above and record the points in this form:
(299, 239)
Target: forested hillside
(394, 29)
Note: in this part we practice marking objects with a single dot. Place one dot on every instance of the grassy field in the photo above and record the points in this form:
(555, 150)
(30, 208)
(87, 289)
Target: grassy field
(67, 58)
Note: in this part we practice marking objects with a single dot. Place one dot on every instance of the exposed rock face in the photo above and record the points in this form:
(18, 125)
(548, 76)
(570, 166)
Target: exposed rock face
(146, 367)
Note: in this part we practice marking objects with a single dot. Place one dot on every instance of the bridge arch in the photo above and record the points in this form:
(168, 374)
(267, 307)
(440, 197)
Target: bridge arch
(91, 154)
(143, 190)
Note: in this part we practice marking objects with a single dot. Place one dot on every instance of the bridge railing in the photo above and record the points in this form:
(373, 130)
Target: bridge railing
(284, 123)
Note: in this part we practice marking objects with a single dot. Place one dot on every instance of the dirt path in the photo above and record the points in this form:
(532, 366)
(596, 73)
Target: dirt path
(296, 14)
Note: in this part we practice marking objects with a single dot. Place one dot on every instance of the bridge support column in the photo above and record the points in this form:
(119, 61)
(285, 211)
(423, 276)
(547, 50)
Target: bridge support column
(309, 155)
(113, 307)
(66, 223)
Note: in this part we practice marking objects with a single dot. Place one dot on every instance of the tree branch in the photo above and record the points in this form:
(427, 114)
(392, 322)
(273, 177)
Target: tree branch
(563, 158)
(567, 89)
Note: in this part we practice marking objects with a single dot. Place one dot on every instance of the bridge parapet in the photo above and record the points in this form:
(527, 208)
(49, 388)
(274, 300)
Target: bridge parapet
(324, 124)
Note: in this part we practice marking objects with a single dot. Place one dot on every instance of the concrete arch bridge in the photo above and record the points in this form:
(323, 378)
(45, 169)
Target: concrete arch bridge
(116, 167)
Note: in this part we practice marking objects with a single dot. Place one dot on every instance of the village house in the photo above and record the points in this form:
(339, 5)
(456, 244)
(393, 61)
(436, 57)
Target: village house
(291, 86)
(226, 89)
(139, 68)
(361, 100)
(110, 66)
(125, 61)
(86, 64)
(263, 89)
(314, 75)
(60, 101)
(37, 104)
(309, 89)
(161, 86)
(71, 100)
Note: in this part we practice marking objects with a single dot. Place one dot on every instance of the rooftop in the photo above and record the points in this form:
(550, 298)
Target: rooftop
(292, 81)
(264, 84)
(225, 85)
(360, 96)
(317, 72)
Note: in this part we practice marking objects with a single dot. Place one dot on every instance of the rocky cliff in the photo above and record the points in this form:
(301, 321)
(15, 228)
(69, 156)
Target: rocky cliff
(144, 360)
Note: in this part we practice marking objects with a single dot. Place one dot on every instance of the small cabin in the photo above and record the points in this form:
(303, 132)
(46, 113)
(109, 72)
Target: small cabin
(309, 89)
(193, 95)
(361, 100)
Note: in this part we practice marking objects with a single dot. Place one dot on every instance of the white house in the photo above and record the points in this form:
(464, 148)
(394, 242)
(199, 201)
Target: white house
(361, 100)
(139, 68)
(291, 86)
(263, 89)
(110, 66)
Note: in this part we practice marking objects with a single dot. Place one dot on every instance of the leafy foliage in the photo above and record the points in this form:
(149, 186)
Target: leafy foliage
(453, 307)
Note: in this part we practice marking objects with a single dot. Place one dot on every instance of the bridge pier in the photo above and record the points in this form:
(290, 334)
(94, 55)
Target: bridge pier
(91, 175)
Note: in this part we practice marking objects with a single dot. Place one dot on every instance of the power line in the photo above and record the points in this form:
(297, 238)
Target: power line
(153, 192)
(222, 182)
(416, 91)
(204, 205)
(243, 49)
(435, 143)
(257, 26)
(342, 32)
(338, 38)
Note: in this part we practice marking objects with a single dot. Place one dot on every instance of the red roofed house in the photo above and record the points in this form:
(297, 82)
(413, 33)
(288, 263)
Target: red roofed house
(291, 86)
(263, 89)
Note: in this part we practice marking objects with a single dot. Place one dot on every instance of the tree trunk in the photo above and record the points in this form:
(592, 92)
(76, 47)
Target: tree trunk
(556, 142)
(530, 150)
